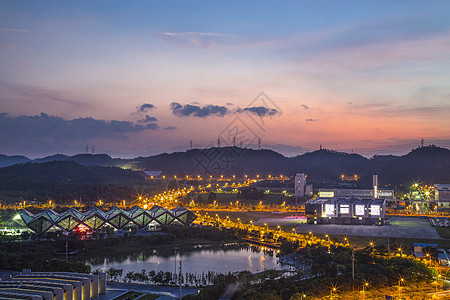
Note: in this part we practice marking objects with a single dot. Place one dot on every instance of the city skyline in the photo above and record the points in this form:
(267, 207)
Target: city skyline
(143, 77)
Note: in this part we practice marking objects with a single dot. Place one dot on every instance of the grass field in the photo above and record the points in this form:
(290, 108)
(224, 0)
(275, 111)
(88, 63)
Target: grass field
(444, 232)
(137, 295)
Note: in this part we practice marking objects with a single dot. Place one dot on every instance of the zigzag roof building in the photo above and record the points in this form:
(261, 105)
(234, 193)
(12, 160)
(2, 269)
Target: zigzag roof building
(95, 218)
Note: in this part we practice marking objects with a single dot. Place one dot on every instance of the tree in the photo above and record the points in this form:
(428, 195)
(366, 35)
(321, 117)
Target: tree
(114, 274)
(212, 197)
(286, 247)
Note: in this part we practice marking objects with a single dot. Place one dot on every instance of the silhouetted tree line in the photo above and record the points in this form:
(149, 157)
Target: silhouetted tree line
(160, 277)
(37, 263)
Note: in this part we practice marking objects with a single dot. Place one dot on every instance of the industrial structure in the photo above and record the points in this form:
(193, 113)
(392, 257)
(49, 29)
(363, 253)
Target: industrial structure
(442, 195)
(301, 189)
(95, 219)
(355, 211)
(374, 192)
(52, 285)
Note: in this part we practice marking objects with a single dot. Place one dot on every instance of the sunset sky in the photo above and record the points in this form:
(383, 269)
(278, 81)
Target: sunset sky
(144, 77)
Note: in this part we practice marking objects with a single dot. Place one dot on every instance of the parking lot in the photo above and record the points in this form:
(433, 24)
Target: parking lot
(399, 227)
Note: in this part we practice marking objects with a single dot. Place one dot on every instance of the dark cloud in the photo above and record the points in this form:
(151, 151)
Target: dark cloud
(151, 126)
(147, 119)
(260, 111)
(170, 128)
(146, 107)
(198, 111)
(311, 120)
(217, 110)
(47, 128)
(305, 106)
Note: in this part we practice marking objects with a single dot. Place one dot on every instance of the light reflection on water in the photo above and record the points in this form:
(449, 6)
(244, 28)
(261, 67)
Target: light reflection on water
(197, 260)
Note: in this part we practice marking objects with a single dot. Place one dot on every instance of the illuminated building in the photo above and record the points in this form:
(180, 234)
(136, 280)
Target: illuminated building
(352, 211)
(95, 219)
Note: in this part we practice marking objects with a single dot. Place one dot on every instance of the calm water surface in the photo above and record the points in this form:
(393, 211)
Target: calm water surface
(222, 259)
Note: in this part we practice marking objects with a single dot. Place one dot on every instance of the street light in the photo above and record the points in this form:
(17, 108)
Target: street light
(365, 286)
(428, 255)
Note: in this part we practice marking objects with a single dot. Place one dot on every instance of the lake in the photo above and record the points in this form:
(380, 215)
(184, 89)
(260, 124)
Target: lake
(196, 259)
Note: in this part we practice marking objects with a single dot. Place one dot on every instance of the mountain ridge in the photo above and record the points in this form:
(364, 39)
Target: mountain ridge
(429, 164)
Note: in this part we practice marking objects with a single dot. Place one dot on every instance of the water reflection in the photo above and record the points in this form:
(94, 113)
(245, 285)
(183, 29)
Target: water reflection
(195, 259)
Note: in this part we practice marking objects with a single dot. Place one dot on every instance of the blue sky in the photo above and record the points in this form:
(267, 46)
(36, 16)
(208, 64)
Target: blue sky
(368, 76)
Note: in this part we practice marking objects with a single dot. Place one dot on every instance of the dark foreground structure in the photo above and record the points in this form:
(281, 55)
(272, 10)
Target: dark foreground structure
(95, 219)
(352, 211)
(52, 285)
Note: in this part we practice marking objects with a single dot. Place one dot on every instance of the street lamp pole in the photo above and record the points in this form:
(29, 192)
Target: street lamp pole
(389, 251)
(353, 268)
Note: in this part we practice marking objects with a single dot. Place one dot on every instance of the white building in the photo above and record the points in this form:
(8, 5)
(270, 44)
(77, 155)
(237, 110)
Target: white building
(300, 184)
(442, 194)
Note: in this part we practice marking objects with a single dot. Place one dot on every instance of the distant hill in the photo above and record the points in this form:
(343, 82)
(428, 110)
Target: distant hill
(325, 166)
(56, 157)
(64, 181)
(67, 172)
(83, 159)
(428, 165)
(6, 160)
(225, 160)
